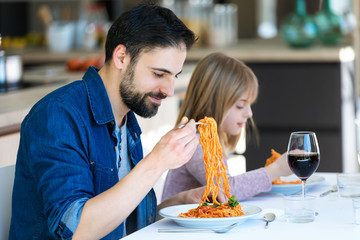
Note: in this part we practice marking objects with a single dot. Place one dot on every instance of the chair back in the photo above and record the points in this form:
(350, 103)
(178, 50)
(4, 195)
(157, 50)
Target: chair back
(6, 186)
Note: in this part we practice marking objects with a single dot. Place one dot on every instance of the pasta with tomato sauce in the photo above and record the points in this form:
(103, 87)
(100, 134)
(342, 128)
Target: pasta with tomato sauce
(215, 177)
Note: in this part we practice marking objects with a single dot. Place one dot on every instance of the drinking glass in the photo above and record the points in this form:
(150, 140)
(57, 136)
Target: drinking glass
(303, 155)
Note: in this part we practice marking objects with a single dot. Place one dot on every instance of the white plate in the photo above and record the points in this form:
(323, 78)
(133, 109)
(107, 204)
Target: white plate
(213, 223)
(293, 188)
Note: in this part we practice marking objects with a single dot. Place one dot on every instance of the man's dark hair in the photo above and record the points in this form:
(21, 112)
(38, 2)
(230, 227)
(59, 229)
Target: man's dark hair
(145, 27)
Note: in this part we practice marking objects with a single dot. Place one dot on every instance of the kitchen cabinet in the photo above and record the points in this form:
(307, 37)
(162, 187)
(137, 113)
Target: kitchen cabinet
(298, 96)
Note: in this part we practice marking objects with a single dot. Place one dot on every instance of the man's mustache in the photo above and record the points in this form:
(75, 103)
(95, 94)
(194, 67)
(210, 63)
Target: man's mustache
(156, 95)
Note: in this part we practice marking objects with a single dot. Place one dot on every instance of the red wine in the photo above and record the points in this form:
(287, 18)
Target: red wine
(303, 165)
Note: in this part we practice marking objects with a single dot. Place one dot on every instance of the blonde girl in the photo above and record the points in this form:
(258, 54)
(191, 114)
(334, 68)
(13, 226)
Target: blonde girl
(224, 88)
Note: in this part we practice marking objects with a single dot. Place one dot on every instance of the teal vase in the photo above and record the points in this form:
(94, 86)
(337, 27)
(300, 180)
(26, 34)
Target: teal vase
(331, 27)
(298, 29)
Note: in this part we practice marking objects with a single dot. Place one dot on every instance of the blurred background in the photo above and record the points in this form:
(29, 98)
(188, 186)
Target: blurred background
(304, 52)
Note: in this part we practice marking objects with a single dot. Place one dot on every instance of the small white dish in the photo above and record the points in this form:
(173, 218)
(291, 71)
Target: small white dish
(293, 188)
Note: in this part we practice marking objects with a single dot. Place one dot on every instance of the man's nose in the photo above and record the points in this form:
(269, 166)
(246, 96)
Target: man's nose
(168, 87)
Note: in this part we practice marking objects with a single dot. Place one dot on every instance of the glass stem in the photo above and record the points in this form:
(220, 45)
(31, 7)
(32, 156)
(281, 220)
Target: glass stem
(303, 189)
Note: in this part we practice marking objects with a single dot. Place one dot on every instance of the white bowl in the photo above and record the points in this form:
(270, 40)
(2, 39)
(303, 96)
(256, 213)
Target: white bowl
(60, 36)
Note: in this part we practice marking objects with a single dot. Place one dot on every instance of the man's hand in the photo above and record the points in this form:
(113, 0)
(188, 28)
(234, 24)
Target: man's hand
(176, 147)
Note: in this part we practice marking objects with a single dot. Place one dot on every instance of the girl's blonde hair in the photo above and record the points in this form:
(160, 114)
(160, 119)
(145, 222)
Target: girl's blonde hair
(216, 84)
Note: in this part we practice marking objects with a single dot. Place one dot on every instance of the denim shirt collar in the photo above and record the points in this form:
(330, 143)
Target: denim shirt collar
(99, 101)
(101, 107)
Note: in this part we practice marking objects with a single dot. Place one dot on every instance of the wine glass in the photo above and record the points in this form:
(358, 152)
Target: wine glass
(303, 155)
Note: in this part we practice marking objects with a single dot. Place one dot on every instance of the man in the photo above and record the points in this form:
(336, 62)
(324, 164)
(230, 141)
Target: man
(80, 171)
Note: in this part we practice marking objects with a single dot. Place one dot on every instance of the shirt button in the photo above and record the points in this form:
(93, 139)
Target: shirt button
(115, 148)
(112, 123)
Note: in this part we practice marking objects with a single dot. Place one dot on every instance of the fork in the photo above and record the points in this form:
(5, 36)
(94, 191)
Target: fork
(222, 230)
(197, 123)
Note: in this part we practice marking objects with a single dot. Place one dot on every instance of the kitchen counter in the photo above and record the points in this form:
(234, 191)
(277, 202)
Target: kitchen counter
(38, 56)
(15, 105)
(252, 50)
(259, 50)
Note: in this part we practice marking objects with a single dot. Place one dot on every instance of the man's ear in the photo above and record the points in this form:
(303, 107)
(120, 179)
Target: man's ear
(119, 55)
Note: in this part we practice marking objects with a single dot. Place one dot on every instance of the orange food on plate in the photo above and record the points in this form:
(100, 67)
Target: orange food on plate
(214, 211)
(215, 177)
(275, 155)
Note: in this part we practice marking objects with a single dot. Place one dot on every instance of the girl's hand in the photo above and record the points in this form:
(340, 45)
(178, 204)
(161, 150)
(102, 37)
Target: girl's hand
(279, 168)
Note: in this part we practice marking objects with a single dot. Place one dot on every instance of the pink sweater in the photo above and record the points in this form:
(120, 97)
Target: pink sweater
(192, 175)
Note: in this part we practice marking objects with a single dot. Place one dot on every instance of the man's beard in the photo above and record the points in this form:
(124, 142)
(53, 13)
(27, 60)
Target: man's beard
(135, 100)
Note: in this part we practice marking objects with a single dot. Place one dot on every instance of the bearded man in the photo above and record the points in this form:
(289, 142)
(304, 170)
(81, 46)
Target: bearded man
(80, 171)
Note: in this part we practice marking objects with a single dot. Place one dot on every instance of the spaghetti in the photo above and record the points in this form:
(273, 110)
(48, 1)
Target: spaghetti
(208, 211)
(215, 177)
(275, 155)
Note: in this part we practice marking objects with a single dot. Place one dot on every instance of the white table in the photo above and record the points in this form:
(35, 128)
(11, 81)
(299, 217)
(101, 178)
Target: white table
(335, 220)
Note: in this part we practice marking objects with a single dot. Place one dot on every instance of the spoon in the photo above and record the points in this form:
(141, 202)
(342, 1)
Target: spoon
(222, 230)
(269, 217)
(333, 188)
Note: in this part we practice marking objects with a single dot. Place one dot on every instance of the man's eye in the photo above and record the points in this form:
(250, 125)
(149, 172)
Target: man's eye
(239, 107)
(159, 75)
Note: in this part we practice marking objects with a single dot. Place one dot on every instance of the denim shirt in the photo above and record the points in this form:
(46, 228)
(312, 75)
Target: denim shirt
(67, 152)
